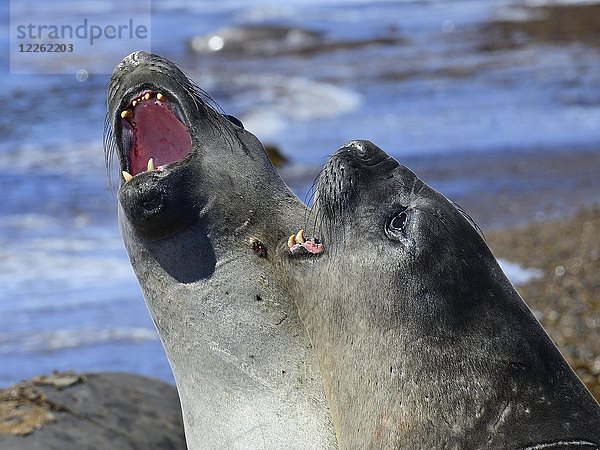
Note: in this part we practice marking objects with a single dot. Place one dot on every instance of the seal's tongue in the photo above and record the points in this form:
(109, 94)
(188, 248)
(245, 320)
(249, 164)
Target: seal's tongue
(157, 134)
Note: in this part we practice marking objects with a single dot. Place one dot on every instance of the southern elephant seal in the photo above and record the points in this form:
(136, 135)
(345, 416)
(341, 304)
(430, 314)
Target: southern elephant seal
(200, 209)
(423, 342)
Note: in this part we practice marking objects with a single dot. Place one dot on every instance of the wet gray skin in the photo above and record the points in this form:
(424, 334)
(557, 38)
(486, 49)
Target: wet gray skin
(200, 235)
(423, 342)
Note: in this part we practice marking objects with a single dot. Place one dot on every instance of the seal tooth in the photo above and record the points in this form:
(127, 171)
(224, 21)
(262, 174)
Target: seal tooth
(147, 96)
(151, 164)
(126, 114)
(292, 241)
(300, 237)
(127, 176)
(161, 97)
(135, 102)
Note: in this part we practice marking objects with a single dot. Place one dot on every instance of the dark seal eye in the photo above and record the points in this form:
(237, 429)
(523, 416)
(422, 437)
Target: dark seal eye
(397, 229)
(398, 222)
(234, 120)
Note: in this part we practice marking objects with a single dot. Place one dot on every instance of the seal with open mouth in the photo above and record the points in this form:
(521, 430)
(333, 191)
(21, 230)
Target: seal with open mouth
(423, 342)
(200, 210)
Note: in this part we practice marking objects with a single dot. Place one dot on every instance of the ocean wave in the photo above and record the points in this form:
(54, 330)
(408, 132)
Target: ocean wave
(54, 340)
(528, 9)
(68, 157)
(42, 271)
(65, 262)
(268, 7)
(281, 100)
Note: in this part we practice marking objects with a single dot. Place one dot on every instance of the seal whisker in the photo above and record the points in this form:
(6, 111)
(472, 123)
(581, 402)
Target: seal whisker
(111, 151)
(318, 220)
(313, 198)
(200, 94)
(312, 190)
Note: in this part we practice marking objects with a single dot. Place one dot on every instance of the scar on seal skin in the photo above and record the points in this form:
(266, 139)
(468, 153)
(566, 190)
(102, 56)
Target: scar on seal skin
(259, 248)
(422, 341)
(193, 219)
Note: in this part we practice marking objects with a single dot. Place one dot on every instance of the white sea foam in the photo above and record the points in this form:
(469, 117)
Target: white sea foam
(65, 258)
(516, 14)
(61, 265)
(282, 99)
(518, 274)
(53, 340)
(70, 157)
(264, 123)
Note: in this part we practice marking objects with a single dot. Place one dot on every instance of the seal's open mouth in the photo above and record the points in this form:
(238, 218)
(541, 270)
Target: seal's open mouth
(153, 132)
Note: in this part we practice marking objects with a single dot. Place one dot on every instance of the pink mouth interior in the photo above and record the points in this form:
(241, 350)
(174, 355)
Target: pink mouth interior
(158, 134)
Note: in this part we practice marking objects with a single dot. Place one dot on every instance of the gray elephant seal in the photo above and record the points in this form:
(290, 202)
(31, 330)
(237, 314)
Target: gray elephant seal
(200, 210)
(422, 340)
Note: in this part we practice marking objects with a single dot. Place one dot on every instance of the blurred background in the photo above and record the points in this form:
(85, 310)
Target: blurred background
(496, 103)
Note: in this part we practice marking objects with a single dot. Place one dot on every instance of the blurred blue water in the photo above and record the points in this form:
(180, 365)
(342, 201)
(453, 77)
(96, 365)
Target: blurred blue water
(69, 298)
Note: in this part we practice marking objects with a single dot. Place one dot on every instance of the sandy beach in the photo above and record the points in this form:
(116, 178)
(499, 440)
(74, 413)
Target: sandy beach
(566, 299)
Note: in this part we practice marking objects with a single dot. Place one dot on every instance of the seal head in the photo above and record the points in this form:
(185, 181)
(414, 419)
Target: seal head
(422, 340)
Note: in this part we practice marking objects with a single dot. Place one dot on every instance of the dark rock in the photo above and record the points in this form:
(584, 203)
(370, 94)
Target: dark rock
(548, 24)
(97, 411)
(253, 39)
(272, 41)
(276, 156)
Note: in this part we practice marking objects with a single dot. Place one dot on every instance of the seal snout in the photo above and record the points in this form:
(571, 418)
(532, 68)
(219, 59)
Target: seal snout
(359, 148)
(364, 151)
(139, 56)
(135, 58)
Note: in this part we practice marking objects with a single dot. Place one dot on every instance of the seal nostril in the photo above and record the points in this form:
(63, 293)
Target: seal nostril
(135, 58)
(362, 153)
(140, 55)
(358, 148)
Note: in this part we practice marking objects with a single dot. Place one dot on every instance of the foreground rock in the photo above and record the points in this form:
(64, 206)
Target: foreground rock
(90, 411)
